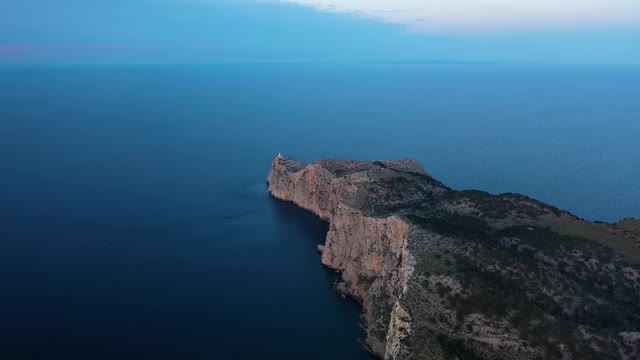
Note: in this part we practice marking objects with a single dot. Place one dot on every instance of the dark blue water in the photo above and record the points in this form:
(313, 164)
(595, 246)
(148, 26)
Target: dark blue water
(134, 218)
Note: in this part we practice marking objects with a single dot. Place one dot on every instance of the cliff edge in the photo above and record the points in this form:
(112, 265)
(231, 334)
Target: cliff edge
(466, 274)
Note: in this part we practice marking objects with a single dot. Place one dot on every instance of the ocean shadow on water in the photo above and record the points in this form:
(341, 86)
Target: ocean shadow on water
(302, 219)
(304, 225)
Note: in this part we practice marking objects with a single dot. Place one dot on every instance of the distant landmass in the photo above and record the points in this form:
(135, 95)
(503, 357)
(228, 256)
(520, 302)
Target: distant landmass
(446, 274)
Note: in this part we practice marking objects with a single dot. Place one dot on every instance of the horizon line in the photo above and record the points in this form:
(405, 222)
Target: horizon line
(285, 62)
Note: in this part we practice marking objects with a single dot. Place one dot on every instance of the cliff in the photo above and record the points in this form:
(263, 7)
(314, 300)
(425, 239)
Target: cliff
(444, 274)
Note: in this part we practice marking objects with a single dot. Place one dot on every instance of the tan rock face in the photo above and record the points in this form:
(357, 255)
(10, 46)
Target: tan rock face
(399, 329)
(367, 250)
(313, 187)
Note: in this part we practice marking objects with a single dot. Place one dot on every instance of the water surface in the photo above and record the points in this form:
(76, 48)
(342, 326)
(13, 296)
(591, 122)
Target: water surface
(135, 221)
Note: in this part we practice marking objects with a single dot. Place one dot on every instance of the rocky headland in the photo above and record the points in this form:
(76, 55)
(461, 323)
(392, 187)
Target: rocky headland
(446, 274)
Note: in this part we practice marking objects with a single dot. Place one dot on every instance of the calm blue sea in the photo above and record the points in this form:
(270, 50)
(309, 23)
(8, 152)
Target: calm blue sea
(135, 222)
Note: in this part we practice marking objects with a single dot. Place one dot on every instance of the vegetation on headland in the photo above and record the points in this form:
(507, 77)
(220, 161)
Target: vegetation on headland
(528, 276)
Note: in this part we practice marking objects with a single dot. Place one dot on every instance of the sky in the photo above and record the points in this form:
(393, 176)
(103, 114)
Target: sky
(467, 16)
(214, 31)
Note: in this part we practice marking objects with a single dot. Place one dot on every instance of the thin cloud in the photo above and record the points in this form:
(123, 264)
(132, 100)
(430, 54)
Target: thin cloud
(20, 48)
(489, 15)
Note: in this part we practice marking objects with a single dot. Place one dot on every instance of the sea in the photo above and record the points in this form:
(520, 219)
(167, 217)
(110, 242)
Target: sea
(135, 221)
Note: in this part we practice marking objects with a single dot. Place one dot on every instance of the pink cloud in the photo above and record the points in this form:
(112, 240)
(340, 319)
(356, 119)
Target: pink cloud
(12, 48)
(23, 48)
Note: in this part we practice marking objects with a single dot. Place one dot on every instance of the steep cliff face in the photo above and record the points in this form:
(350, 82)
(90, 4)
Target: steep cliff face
(445, 274)
(311, 187)
(370, 252)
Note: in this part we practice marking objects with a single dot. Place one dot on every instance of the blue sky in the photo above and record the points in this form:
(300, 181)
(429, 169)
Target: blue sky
(209, 31)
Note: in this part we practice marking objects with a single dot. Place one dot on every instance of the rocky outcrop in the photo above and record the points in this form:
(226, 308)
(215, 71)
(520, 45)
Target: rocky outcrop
(311, 187)
(370, 252)
(466, 274)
